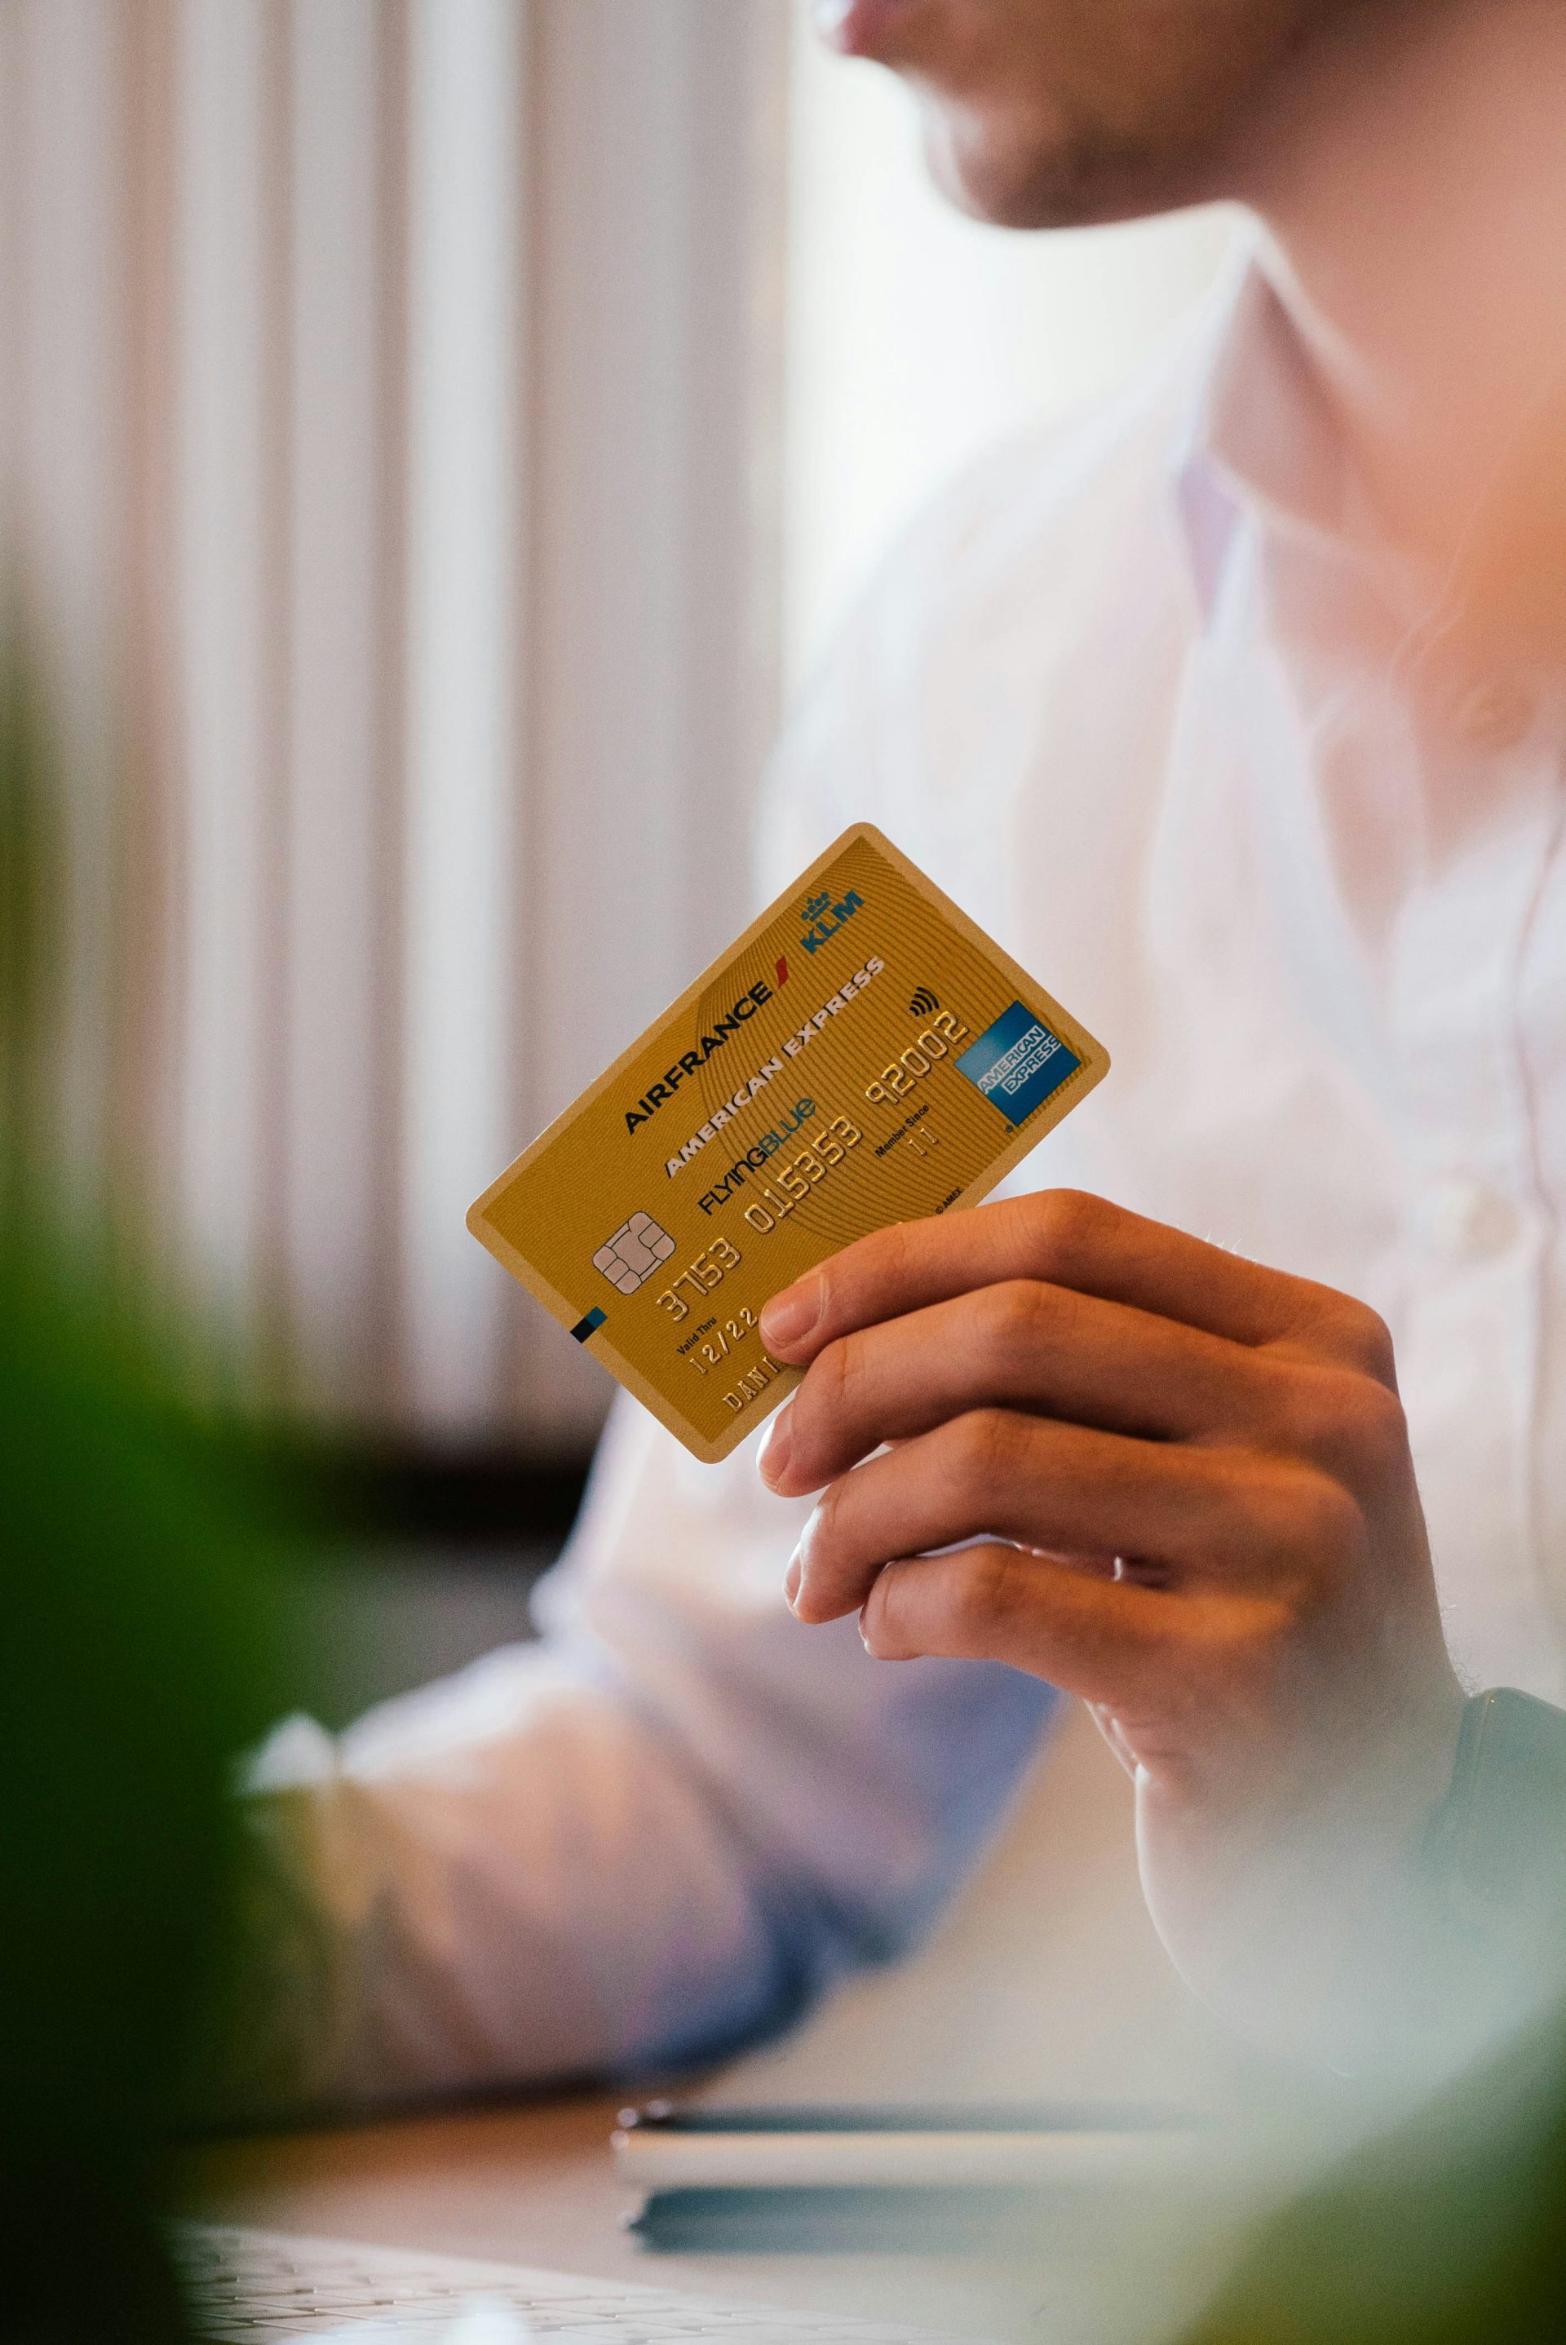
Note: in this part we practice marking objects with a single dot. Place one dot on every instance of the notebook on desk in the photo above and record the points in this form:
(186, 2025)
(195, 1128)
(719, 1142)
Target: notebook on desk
(886, 2180)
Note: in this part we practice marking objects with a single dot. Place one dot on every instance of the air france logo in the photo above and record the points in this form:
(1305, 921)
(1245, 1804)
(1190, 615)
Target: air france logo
(823, 918)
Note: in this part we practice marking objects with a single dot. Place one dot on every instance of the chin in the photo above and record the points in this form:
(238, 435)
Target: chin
(1051, 181)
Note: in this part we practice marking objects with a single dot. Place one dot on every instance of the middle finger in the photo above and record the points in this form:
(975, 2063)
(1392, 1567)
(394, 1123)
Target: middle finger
(1019, 1345)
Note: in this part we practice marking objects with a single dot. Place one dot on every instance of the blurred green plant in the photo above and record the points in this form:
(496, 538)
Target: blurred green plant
(1449, 2229)
(134, 1664)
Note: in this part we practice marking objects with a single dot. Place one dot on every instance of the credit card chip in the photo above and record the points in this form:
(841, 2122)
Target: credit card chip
(634, 1252)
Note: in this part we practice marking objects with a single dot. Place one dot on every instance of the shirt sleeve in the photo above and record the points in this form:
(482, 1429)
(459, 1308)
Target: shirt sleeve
(650, 1837)
(662, 1829)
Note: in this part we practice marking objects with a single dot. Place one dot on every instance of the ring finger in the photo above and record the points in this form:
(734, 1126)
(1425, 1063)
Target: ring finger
(1055, 1487)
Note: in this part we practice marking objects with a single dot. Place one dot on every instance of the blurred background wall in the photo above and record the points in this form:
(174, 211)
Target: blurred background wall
(435, 438)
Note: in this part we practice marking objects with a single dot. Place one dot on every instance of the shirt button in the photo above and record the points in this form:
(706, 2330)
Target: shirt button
(1463, 1220)
(1495, 715)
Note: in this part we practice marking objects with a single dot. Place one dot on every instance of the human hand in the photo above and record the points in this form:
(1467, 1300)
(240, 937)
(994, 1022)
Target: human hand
(1186, 1493)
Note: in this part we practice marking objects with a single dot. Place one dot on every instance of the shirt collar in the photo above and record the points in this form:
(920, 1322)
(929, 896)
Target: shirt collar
(1257, 447)
(1257, 438)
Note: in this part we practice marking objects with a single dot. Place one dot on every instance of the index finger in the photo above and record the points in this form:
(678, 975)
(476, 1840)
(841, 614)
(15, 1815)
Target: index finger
(1067, 1238)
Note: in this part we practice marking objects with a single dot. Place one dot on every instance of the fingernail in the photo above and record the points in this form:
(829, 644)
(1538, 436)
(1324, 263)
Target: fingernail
(772, 1458)
(792, 1578)
(790, 1316)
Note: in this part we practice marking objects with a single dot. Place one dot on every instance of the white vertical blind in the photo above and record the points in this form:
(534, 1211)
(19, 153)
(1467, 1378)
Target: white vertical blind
(467, 646)
(225, 514)
(385, 400)
(339, 999)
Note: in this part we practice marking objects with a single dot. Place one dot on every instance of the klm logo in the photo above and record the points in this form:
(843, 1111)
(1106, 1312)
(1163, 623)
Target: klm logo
(824, 918)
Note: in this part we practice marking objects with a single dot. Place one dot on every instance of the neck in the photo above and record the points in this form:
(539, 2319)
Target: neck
(1414, 197)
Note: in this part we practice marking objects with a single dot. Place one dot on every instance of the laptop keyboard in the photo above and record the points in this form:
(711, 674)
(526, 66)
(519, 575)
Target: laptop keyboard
(254, 2285)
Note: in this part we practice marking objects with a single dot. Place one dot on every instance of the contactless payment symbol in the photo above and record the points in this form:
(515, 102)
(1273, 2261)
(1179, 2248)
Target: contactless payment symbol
(1018, 1063)
(631, 1256)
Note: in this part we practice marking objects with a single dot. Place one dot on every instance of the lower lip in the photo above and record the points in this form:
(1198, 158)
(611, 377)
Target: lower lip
(860, 28)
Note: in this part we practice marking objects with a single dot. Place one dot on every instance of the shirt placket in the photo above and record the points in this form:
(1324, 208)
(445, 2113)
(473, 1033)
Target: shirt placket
(1475, 1230)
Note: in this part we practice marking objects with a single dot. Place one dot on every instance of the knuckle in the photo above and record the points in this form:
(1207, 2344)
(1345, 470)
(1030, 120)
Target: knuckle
(1377, 1430)
(1284, 1513)
(1254, 1639)
(891, 1262)
(1013, 1322)
(982, 1591)
(814, 1410)
(1227, 1626)
(1306, 1414)
(887, 1258)
(980, 1451)
(1064, 1223)
(1327, 1525)
(849, 1279)
(1364, 1339)
(1346, 1421)
(835, 1375)
(823, 1534)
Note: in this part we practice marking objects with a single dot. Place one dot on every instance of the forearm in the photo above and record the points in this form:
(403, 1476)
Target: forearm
(442, 1902)
(534, 1873)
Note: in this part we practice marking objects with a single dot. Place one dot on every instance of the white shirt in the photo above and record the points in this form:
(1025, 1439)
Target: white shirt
(1132, 698)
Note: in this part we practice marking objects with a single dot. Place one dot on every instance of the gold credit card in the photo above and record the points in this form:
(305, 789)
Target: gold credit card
(863, 1055)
